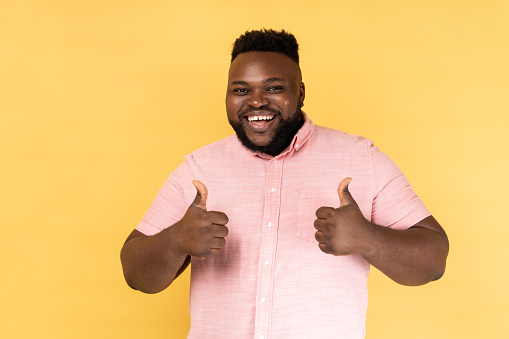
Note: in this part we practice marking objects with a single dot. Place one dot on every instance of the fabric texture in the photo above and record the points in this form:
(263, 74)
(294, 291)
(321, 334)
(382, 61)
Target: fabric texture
(271, 280)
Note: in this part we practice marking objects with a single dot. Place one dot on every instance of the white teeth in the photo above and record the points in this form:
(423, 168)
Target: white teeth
(260, 117)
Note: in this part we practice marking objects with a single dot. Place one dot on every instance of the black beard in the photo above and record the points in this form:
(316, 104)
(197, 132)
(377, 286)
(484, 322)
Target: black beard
(283, 134)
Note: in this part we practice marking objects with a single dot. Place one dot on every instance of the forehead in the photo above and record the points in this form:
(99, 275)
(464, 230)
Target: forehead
(259, 66)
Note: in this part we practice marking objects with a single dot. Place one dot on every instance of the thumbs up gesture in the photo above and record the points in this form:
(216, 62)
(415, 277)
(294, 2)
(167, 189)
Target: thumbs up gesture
(339, 230)
(201, 233)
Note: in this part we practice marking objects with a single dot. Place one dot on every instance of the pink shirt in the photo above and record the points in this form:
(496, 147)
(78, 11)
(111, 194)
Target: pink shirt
(271, 279)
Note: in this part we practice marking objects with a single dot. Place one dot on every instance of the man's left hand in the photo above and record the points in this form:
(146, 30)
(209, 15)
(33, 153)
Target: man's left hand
(339, 230)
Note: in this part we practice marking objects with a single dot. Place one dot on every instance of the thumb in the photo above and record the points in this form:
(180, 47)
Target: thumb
(345, 198)
(201, 195)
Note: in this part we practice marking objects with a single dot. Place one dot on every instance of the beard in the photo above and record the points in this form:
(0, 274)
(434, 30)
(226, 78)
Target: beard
(283, 135)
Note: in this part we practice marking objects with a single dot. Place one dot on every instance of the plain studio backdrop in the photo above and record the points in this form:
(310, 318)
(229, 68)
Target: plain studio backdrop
(100, 101)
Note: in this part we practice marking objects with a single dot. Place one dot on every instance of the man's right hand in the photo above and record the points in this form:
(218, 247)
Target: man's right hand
(201, 233)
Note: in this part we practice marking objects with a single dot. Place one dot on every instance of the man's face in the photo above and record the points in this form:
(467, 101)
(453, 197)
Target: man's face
(263, 100)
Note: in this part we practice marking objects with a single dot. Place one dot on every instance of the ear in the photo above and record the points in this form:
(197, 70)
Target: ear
(302, 93)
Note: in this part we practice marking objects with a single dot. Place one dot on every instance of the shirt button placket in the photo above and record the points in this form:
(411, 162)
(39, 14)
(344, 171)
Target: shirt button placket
(269, 236)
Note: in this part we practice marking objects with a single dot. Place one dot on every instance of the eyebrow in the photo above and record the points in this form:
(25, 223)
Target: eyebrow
(275, 79)
(241, 82)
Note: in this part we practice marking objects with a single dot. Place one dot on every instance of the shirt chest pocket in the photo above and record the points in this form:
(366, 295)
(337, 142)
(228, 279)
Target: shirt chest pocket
(311, 199)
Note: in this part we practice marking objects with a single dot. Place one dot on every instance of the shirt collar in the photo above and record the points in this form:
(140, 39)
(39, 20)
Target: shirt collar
(298, 141)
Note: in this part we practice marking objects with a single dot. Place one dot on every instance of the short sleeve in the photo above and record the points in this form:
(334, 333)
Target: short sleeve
(169, 205)
(395, 203)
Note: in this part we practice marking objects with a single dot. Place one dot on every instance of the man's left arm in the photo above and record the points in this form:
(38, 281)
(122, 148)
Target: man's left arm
(414, 256)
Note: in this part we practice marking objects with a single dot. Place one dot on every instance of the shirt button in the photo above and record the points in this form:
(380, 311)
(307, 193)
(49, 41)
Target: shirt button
(262, 336)
(273, 190)
(266, 262)
(296, 145)
(275, 161)
(263, 299)
(270, 224)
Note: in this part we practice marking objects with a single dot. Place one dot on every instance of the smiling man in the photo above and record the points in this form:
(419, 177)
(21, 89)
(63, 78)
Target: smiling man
(281, 221)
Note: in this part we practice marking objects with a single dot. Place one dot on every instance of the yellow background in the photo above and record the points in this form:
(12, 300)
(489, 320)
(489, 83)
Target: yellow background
(100, 100)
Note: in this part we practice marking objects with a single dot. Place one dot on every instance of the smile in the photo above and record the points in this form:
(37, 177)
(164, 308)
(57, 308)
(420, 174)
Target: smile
(260, 118)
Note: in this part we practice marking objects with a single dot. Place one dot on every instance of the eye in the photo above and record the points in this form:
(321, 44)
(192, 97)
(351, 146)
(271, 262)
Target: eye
(240, 91)
(276, 89)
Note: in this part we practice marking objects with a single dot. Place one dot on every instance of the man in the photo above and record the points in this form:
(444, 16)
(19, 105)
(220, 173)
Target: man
(281, 222)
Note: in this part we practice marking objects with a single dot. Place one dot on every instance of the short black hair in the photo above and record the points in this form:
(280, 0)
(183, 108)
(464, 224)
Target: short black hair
(267, 40)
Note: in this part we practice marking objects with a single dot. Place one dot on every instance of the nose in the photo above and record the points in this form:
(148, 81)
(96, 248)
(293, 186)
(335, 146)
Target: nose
(257, 99)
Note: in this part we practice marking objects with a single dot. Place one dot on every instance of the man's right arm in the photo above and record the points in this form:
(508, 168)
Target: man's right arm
(151, 263)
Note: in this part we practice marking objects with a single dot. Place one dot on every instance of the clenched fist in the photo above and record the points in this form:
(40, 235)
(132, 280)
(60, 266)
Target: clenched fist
(201, 233)
(340, 230)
